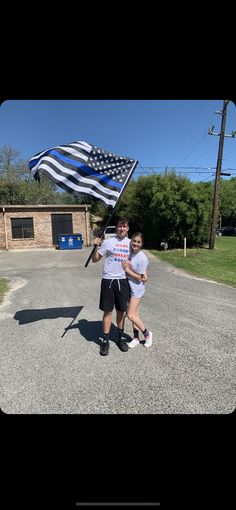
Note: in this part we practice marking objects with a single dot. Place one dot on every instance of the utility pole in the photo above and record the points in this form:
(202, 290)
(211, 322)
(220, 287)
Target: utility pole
(216, 196)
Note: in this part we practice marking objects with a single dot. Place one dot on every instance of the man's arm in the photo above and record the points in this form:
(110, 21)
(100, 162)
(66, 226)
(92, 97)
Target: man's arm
(96, 256)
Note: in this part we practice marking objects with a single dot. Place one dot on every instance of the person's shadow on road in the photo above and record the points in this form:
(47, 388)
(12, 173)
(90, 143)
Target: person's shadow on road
(92, 331)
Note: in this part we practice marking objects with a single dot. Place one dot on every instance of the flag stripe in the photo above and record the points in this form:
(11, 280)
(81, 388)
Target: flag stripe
(72, 187)
(75, 180)
(81, 145)
(59, 152)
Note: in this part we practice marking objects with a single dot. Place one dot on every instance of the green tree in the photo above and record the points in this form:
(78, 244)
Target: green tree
(168, 207)
(227, 205)
(8, 157)
(17, 185)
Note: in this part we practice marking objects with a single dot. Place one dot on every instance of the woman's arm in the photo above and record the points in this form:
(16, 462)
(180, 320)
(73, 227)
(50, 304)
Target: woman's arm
(137, 276)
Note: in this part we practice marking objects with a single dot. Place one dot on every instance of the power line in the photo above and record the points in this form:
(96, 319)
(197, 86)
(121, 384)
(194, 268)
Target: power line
(208, 177)
(190, 129)
(184, 170)
(195, 146)
(187, 167)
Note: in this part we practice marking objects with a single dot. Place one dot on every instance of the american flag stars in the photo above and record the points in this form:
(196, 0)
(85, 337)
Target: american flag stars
(110, 164)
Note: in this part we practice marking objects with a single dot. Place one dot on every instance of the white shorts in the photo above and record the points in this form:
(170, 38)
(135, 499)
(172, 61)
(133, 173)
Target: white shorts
(137, 293)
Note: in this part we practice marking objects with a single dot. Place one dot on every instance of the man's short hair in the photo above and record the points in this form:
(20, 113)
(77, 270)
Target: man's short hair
(122, 219)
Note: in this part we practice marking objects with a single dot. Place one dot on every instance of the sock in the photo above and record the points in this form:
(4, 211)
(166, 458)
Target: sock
(145, 332)
(136, 333)
(120, 333)
(105, 337)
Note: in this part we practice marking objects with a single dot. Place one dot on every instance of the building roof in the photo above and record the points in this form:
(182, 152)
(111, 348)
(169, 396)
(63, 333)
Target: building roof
(44, 206)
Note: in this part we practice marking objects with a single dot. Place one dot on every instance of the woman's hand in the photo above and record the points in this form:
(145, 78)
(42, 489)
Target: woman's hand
(144, 277)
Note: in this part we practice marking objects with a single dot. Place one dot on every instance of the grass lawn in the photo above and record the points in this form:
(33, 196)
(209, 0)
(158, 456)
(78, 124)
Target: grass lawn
(218, 264)
(3, 287)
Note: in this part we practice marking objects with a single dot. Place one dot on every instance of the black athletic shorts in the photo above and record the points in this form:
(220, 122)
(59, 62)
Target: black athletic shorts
(114, 293)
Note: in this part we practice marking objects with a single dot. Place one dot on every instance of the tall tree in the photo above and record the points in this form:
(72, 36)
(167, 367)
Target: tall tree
(227, 207)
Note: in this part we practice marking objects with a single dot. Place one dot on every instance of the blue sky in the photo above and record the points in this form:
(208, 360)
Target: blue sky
(158, 133)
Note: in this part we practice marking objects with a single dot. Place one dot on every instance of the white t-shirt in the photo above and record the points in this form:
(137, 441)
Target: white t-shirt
(116, 250)
(138, 264)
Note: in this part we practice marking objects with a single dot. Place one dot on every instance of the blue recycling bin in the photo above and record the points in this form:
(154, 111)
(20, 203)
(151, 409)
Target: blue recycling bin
(70, 241)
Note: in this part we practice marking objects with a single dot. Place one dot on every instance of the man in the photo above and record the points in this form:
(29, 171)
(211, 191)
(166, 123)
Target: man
(114, 285)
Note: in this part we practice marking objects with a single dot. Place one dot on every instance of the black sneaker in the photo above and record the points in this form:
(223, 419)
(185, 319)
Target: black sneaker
(122, 344)
(104, 347)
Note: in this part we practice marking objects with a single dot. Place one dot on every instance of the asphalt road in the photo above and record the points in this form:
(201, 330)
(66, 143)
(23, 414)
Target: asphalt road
(50, 325)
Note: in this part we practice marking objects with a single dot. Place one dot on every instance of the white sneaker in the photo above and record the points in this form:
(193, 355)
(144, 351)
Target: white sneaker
(149, 339)
(133, 343)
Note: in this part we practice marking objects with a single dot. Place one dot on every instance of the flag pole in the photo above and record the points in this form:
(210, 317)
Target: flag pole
(112, 212)
(68, 327)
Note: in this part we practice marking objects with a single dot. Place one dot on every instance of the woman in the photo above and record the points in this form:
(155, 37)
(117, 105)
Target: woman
(135, 268)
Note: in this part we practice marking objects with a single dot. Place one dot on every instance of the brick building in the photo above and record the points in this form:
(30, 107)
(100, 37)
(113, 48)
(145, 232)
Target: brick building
(37, 226)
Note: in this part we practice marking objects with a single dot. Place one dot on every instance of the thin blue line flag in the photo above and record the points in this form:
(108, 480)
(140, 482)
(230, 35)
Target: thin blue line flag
(81, 168)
